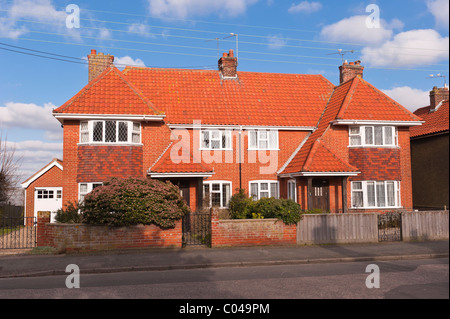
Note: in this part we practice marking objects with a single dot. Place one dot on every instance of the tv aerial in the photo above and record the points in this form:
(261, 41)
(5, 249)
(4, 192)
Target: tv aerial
(342, 53)
(439, 75)
(218, 51)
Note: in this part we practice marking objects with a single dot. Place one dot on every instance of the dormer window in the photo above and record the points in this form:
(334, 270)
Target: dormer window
(110, 131)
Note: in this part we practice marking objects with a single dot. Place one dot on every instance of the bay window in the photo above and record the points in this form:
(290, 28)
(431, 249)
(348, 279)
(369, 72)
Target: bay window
(110, 131)
(375, 194)
(86, 188)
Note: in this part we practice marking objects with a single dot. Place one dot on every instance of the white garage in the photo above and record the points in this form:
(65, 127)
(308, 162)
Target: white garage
(47, 199)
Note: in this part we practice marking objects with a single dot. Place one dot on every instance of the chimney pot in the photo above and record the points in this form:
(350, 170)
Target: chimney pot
(98, 63)
(228, 65)
(350, 70)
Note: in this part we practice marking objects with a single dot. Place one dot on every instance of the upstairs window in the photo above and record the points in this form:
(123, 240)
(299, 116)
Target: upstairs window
(263, 140)
(373, 136)
(110, 131)
(215, 140)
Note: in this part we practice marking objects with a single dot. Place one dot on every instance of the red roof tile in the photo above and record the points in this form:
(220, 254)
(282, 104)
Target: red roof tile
(267, 99)
(322, 159)
(109, 93)
(365, 102)
(435, 122)
(181, 163)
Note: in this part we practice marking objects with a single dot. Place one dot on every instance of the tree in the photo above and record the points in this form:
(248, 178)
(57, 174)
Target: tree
(9, 166)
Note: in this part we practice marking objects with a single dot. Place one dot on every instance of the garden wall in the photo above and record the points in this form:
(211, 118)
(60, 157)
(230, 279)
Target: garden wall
(81, 237)
(250, 232)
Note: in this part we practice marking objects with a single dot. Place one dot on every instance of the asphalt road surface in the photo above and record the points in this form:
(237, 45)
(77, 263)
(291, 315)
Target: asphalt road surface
(407, 279)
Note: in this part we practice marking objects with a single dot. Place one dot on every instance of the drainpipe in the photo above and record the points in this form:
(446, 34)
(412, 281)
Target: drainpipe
(240, 160)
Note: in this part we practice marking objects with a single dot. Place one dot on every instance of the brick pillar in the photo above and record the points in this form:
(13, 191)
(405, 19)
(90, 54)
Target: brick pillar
(214, 226)
(42, 235)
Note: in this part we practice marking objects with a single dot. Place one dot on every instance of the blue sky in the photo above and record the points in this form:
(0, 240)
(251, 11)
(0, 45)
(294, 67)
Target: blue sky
(410, 42)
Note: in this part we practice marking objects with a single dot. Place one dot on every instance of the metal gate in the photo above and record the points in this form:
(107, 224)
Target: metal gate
(390, 226)
(197, 229)
(17, 232)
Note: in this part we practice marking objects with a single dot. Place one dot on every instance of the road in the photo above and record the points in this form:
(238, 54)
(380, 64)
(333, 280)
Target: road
(424, 278)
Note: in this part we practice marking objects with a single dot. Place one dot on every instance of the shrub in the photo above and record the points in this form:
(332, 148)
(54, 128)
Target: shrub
(133, 201)
(240, 205)
(70, 214)
(285, 209)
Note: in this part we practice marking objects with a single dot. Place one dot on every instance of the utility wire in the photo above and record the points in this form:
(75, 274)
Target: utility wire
(197, 55)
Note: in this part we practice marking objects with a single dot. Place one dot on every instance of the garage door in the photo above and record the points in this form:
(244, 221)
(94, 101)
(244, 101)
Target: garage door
(48, 199)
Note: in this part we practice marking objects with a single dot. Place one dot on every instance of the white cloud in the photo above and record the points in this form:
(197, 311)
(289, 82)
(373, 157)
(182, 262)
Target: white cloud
(30, 116)
(37, 10)
(189, 8)
(440, 10)
(141, 29)
(354, 30)
(276, 41)
(404, 50)
(409, 97)
(121, 62)
(305, 7)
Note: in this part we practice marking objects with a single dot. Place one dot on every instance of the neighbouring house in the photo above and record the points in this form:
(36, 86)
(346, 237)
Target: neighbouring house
(342, 148)
(429, 153)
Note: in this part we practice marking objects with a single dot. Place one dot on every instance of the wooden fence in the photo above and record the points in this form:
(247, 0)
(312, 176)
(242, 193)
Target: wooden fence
(363, 227)
(337, 228)
(425, 225)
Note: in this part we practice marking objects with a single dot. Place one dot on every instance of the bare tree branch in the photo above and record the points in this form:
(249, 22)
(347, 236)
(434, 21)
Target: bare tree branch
(9, 168)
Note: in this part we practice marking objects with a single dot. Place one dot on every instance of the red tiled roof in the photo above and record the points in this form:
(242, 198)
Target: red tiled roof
(365, 102)
(109, 93)
(337, 99)
(266, 99)
(321, 159)
(181, 163)
(435, 122)
(352, 100)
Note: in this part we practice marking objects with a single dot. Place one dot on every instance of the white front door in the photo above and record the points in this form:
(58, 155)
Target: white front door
(48, 199)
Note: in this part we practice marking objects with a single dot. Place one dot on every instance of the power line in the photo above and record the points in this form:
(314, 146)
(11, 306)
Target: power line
(248, 35)
(197, 55)
(82, 61)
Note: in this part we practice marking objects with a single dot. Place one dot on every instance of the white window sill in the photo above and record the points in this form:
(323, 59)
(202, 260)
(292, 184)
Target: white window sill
(384, 208)
(373, 146)
(215, 149)
(109, 144)
(263, 149)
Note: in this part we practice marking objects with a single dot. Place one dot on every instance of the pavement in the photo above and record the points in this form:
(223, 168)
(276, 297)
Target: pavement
(24, 264)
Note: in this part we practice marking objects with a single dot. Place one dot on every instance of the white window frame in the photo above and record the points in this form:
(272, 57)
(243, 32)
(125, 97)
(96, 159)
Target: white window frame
(361, 134)
(87, 132)
(221, 134)
(364, 191)
(256, 145)
(221, 183)
(89, 188)
(259, 190)
(292, 189)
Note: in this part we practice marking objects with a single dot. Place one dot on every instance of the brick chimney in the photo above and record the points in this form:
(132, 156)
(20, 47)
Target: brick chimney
(228, 65)
(98, 63)
(437, 95)
(350, 70)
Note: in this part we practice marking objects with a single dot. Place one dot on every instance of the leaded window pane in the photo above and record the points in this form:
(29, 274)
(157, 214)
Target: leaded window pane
(110, 131)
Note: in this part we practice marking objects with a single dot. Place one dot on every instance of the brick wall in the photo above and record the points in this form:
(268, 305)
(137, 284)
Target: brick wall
(250, 232)
(98, 163)
(376, 164)
(81, 237)
(51, 178)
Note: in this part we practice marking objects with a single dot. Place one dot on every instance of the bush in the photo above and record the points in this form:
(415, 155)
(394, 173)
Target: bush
(285, 209)
(70, 214)
(240, 205)
(133, 201)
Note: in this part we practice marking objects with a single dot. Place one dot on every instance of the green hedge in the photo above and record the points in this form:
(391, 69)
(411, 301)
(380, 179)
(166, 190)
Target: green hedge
(244, 207)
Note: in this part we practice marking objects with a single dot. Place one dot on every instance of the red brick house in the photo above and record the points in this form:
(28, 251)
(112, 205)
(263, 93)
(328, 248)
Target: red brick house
(337, 148)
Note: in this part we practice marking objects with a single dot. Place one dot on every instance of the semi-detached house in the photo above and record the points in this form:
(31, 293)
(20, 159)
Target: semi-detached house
(338, 148)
